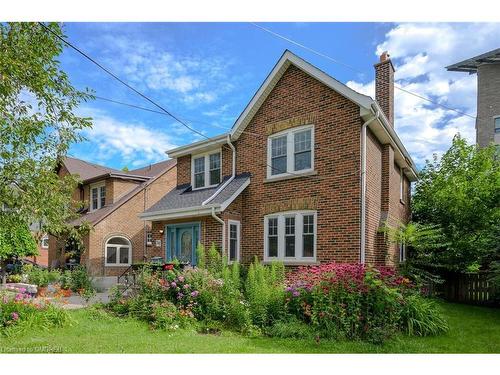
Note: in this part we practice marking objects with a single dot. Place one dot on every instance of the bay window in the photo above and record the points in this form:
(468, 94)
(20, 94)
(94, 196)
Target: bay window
(206, 170)
(291, 152)
(290, 236)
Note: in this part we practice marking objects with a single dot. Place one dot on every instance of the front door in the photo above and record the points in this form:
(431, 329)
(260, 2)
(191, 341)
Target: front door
(182, 240)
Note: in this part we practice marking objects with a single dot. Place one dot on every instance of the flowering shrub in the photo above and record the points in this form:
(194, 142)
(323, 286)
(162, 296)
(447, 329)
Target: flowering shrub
(19, 312)
(350, 300)
(345, 301)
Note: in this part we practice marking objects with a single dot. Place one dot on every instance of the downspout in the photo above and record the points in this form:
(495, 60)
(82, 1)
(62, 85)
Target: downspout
(223, 229)
(233, 174)
(362, 254)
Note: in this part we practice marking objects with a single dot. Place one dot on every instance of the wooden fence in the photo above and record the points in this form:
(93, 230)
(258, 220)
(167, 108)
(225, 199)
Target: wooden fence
(470, 288)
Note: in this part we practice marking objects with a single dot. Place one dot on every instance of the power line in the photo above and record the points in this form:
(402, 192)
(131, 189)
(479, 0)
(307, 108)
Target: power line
(119, 79)
(135, 90)
(357, 70)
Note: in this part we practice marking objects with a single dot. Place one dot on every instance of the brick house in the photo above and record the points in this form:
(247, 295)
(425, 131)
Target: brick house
(308, 173)
(112, 201)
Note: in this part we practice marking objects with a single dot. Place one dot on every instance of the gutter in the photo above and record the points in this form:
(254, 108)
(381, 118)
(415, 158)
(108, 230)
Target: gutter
(362, 254)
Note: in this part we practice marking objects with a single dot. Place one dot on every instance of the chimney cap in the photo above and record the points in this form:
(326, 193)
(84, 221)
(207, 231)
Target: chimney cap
(384, 56)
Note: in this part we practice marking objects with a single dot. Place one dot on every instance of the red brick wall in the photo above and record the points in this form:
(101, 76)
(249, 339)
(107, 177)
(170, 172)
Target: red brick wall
(337, 160)
(373, 197)
(125, 222)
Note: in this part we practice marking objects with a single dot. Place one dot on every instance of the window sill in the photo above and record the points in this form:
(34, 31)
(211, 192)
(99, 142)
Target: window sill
(290, 176)
(118, 265)
(293, 262)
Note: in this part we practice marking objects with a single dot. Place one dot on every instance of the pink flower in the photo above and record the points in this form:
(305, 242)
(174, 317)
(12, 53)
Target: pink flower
(15, 316)
(194, 293)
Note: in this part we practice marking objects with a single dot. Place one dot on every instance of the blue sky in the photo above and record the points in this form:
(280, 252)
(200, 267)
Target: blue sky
(205, 73)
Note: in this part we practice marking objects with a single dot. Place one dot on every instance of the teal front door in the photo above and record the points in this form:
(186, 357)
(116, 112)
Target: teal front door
(182, 240)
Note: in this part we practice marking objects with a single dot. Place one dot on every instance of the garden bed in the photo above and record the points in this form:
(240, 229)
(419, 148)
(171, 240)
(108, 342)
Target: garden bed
(472, 330)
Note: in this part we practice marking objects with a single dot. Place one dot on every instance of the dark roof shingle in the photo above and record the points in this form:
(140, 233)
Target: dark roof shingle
(184, 197)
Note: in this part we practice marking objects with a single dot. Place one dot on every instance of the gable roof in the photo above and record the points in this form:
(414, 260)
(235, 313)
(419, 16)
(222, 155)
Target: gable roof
(90, 171)
(368, 107)
(85, 169)
(96, 216)
(288, 58)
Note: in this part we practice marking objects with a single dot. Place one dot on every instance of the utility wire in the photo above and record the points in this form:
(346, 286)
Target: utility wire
(356, 69)
(136, 91)
(120, 80)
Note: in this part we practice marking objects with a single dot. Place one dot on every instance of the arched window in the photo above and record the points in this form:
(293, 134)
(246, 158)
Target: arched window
(118, 252)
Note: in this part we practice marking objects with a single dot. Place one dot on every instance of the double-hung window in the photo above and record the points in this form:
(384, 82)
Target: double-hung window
(401, 185)
(290, 236)
(206, 170)
(44, 242)
(402, 252)
(234, 229)
(291, 152)
(97, 196)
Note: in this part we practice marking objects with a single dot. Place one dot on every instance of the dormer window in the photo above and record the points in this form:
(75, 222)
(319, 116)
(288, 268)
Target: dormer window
(291, 152)
(206, 170)
(97, 196)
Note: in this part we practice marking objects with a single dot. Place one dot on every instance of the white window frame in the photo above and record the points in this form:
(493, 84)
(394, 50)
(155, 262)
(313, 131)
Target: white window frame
(118, 250)
(206, 156)
(401, 185)
(44, 238)
(495, 118)
(402, 252)
(290, 152)
(238, 239)
(299, 228)
(97, 186)
(149, 238)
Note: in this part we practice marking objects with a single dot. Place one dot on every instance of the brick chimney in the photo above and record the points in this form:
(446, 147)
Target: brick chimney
(384, 86)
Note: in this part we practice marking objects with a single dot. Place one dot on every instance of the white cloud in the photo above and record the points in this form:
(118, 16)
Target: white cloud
(132, 142)
(420, 53)
(195, 80)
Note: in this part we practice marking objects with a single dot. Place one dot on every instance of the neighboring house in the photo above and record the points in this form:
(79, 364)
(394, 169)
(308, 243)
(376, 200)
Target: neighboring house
(309, 172)
(113, 199)
(487, 67)
(42, 240)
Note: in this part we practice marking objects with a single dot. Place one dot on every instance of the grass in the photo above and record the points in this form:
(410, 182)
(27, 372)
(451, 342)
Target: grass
(472, 330)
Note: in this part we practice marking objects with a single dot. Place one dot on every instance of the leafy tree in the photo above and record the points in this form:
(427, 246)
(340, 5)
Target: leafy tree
(37, 126)
(460, 193)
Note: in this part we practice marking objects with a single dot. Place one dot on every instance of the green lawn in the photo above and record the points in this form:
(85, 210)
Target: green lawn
(472, 330)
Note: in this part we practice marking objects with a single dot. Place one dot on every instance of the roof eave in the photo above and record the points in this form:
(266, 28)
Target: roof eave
(197, 146)
(180, 213)
(385, 133)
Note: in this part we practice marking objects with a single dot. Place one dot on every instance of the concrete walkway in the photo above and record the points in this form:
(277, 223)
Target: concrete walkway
(76, 302)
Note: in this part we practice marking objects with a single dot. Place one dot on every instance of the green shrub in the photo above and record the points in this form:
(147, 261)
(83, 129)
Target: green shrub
(291, 327)
(264, 290)
(65, 280)
(420, 316)
(80, 280)
(39, 276)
